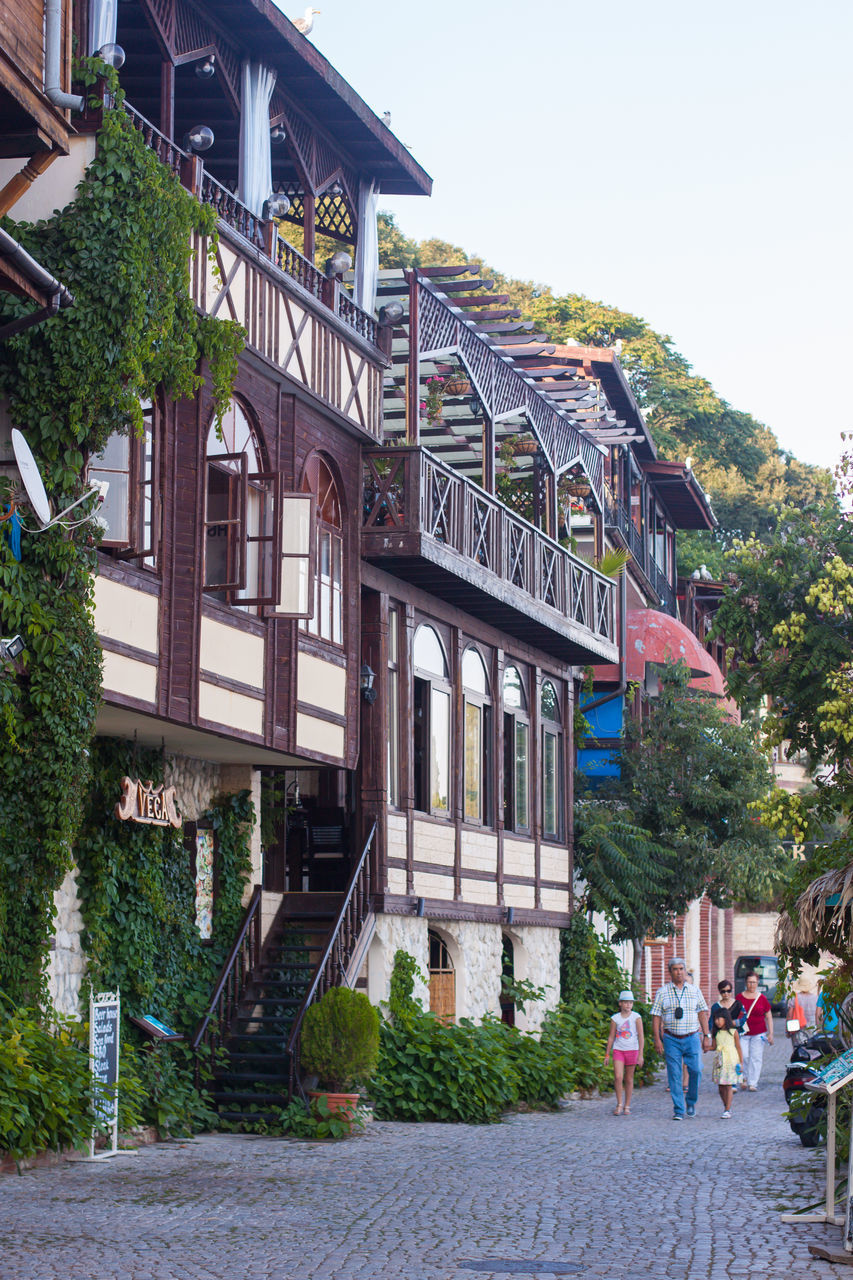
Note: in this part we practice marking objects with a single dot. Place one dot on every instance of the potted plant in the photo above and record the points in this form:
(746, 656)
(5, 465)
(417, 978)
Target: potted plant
(432, 403)
(340, 1045)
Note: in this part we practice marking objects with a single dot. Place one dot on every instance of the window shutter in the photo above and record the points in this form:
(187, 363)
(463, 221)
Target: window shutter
(298, 553)
(262, 539)
(225, 523)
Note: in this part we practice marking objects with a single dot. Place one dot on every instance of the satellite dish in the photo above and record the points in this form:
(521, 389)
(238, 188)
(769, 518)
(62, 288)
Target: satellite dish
(31, 477)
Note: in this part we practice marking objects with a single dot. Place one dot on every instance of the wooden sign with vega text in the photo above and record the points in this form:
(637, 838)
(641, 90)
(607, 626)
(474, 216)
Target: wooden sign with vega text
(143, 802)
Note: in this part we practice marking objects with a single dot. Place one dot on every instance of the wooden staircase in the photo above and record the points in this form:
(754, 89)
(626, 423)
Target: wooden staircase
(251, 1030)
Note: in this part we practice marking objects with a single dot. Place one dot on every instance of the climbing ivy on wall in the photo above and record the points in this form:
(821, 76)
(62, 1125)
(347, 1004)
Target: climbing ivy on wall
(137, 893)
(121, 247)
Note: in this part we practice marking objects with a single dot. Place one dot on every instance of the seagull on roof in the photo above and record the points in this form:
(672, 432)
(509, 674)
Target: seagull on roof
(306, 23)
(386, 118)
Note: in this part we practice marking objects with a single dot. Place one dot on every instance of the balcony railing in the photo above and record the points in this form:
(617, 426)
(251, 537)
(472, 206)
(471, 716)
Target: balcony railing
(256, 230)
(407, 491)
(618, 516)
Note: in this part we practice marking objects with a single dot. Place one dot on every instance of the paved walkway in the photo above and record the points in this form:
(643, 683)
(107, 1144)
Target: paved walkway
(577, 1193)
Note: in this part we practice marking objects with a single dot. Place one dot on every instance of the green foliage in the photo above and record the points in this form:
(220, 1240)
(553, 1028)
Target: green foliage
(122, 248)
(161, 1078)
(340, 1039)
(47, 1094)
(681, 820)
(312, 1123)
(137, 891)
(401, 1002)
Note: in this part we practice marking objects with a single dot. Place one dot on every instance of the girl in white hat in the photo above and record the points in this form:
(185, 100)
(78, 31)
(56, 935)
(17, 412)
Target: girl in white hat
(626, 1044)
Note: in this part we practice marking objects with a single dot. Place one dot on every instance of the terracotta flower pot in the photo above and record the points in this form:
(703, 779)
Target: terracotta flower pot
(343, 1104)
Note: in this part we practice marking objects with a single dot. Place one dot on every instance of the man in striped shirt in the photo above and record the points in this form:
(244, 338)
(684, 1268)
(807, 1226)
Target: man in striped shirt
(679, 1013)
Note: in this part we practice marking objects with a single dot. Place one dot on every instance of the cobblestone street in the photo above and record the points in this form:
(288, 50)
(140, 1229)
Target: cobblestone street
(577, 1193)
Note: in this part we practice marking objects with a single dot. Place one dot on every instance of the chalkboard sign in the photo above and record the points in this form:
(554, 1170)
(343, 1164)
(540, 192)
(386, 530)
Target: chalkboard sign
(104, 1057)
(834, 1076)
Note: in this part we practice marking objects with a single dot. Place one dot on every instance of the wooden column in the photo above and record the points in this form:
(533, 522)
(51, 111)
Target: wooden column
(308, 226)
(407, 755)
(498, 765)
(488, 453)
(374, 729)
(569, 775)
(536, 783)
(413, 369)
(167, 98)
(457, 771)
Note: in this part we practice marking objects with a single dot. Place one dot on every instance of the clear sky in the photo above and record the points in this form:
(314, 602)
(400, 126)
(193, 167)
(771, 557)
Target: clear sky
(687, 162)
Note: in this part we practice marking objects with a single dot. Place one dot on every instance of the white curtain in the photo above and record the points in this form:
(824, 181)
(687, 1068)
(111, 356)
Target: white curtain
(367, 249)
(258, 83)
(103, 18)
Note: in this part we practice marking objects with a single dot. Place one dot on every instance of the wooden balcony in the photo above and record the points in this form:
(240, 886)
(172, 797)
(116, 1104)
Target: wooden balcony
(428, 524)
(293, 315)
(618, 518)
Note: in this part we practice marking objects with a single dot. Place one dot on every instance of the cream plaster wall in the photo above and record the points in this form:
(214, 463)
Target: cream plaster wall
(396, 880)
(554, 863)
(229, 651)
(395, 835)
(519, 858)
(429, 885)
(129, 677)
(224, 706)
(56, 187)
(479, 852)
(483, 891)
(555, 899)
(754, 933)
(319, 735)
(519, 895)
(122, 613)
(434, 842)
(321, 684)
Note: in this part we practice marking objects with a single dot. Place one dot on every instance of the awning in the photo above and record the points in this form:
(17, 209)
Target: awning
(655, 639)
(677, 489)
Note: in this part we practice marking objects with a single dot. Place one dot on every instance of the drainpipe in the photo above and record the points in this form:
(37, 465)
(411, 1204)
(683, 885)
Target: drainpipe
(623, 637)
(52, 42)
(58, 294)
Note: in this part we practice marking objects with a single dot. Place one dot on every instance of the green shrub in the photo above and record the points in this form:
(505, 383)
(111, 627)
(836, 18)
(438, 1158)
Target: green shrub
(161, 1078)
(46, 1089)
(340, 1039)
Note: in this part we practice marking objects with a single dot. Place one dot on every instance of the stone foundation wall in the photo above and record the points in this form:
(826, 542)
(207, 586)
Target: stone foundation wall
(66, 967)
(396, 933)
(476, 951)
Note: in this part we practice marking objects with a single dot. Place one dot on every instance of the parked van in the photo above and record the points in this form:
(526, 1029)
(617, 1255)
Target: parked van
(767, 968)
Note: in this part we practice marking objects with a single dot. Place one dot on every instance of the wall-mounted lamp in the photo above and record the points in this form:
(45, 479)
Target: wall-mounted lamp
(335, 189)
(338, 264)
(275, 206)
(277, 135)
(421, 911)
(113, 55)
(368, 675)
(206, 70)
(510, 915)
(11, 648)
(391, 313)
(199, 138)
(475, 406)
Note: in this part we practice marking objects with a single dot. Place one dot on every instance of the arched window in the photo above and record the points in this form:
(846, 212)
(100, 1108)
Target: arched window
(552, 800)
(442, 979)
(516, 752)
(240, 544)
(327, 620)
(431, 737)
(131, 509)
(477, 756)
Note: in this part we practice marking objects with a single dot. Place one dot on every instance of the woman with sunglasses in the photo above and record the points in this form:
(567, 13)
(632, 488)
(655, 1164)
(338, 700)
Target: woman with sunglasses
(728, 1002)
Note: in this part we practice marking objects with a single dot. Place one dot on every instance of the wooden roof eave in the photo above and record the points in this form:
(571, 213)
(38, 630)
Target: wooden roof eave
(321, 90)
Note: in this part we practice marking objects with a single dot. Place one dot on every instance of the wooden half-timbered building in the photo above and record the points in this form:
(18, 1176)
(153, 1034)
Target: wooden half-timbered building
(360, 592)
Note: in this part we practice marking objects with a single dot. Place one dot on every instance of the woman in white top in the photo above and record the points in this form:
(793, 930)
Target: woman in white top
(626, 1043)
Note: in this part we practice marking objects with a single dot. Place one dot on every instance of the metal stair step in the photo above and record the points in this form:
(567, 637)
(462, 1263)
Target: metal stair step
(224, 1095)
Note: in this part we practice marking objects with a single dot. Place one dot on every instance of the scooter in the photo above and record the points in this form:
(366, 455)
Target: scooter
(805, 1108)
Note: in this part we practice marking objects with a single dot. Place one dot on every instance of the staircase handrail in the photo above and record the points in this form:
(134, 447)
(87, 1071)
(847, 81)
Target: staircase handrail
(323, 963)
(252, 911)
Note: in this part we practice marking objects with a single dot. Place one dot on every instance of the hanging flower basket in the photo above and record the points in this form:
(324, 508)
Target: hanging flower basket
(526, 446)
(578, 489)
(457, 386)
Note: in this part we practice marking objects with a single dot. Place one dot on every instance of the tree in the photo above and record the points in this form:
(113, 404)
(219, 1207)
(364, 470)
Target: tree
(789, 615)
(680, 821)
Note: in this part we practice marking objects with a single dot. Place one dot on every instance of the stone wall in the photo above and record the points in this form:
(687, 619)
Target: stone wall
(196, 783)
(66, 964)
(396, 933)
(476, 952)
